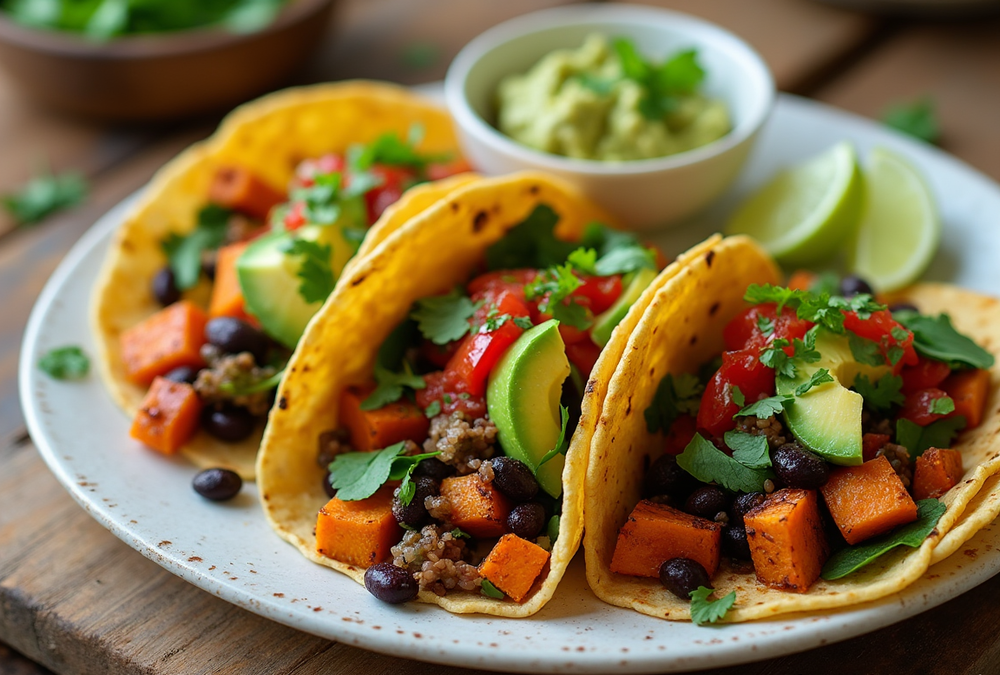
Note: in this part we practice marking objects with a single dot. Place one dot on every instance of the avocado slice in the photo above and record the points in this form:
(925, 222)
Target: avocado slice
(523, 401)
(827, 419)
(606, 321)
(270, 285)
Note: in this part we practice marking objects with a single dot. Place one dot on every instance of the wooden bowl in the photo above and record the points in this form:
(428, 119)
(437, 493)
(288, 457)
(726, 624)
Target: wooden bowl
(160, 76)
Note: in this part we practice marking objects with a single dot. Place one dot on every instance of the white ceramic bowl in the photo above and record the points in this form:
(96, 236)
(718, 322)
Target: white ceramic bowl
(645, 194)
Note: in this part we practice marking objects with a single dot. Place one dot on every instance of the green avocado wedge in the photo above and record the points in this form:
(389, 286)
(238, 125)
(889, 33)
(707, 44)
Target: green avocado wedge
(605, 322)
(523, 401)
(827, 418)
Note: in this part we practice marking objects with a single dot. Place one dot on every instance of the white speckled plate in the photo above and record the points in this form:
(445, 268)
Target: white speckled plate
(146, 499)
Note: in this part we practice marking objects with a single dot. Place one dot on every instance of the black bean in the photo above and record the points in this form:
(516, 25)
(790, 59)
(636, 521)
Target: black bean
(903, 307)
(706, 502)
(234, 336)
(208, 265)
(680, 576)
(796, 467)
(185, 374)
(165, 288)
(391, 584)
(514, 479)
(527, 520)
(217, 484)
(743, 503)
(228, 424)
(734, 542)
(664, 477)
(415, 513)
(852, 285)
(432, 467)
(330, 491)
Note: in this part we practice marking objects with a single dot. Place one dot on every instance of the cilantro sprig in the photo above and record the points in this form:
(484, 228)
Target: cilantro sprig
(391, 386)
(881, 395)
(359, 475)
(65, 363)
(936, 338)
(818, 307)
(184, 251)
(43, 195)
(392, 150)
(443, 318)
(916, 438)
(704, 610)
(315, 272)
(708, 464)
(555, 287)
(663, 84)
(562, 445)
(767, 407)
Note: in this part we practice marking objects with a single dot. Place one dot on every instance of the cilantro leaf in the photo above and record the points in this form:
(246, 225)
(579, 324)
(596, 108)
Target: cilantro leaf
(916, 438)
(43, 195)
(865, 351)
(821, 376)
(532, 243)
(459, 534)
(584, 260)
(522, 322)
(738, 397)
(852, 558)
(602, 86)
(767, 407)
(491, 591)
(936, 338)
(65, 363)
(402, 470)
(552, 528)
(818, 307)
(433, 410)
(674, 396)
(704, 610)
(443, 318)
(184, 251)
(883, 394)
(708, 464)
(391, 386)
(662, 85)
(555, 286)
(315, 272)
(776, 357)
(359, 475)
(942, 406)
(246, 388)
(561, 445)
(624, 260)
(749, 450)
(916, 118)
(391, 150)
(765, 325)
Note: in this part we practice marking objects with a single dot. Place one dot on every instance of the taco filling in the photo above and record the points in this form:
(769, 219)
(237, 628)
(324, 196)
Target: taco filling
(446, 470)
(265, 259)
(819, 440)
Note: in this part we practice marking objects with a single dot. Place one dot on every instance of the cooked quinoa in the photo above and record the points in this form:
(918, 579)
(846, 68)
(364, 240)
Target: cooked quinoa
(239, 370)
(438, 561)
(460, 443)
(899, 459)
(333, 442)
(771, 428)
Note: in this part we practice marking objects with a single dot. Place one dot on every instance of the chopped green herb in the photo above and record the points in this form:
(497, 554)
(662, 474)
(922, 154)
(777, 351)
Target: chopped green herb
(936, 338)
(821, 376)
(602, 86)
(391, 386)
(65, 363)
(738, 397)
(820, 308)
(43, 195)
(315, 273)
(359, 475)
(433, 410)
(443, 318)
(882, 395)
(765, 325)
(708, 464)
(491, 591)
(391, 150)
(555, 287)
(942, 406)
(459, 534)
(767, 407)
(704, 610)
(561, 445)
(552, 529)
(776, 357)
(584, 260)
(916, 438)
(184, 251)
(402, 470)
(852, 558)
(662, 85)
(252, 387)
(916, 119)
(674, 396)
(522, 322)
(749, 450)
(865, 351)
(531, 244)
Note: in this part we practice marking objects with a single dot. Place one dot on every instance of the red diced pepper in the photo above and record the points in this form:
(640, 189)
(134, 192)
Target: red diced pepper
(741, 369)
(918, 407)
(926, 374)
(451, 395)
(602, 292)
(879, 328)
(583, 355)
(477, 355)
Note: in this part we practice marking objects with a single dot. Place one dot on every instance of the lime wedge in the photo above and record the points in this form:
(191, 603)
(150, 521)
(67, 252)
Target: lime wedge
(807, 211)
(900, 227)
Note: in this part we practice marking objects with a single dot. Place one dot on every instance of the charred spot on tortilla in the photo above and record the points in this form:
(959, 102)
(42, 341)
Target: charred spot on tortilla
(709, 257)
(479, 222)
(359, 280)
(127, 245)
(455, 207)
(628, 408)
(283, 403)
(534, 189)
(713, 309)
(590, 386)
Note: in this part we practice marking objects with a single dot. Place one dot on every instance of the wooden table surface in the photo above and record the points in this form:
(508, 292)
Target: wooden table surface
(77, 600)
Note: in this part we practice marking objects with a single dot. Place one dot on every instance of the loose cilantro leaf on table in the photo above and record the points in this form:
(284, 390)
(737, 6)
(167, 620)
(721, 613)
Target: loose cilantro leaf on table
(184, 251)
(766, 407)
(704, 610)
(883, 394)
(708, 464)
(65, 363)
(491, 591)
(315, 272)
(853, 558)
(532, 243)
(561, 444)
(936, 338)
(674, 396)
(821, 376)
(359, 475)
(391, 386)
(916, 118)
(916, 438)
(43, 195)
(443, 318)
(749, 450)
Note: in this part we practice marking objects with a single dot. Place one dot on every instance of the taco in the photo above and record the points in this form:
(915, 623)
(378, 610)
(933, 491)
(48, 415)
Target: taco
(439, 405)
(765, 450)
(236, 243)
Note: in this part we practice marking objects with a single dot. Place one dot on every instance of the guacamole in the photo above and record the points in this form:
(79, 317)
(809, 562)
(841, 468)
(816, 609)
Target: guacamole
(586, 103)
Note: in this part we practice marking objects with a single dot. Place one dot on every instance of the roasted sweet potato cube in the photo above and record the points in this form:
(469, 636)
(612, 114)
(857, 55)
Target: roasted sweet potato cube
(867, 500)
(377, 429)
(786, 538)
(655, 533)
(240, 189)
(167, 417)
(359, 532)
(938, 470)
(476, 507)
(969, 389)
(513, 565)
(168, 339)
(227, 296)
